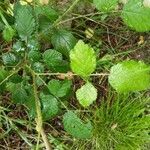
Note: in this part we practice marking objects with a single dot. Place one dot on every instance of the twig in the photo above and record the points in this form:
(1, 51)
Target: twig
(39, 120)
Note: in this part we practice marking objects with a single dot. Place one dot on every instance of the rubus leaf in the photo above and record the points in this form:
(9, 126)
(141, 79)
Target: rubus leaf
(63, 41)
(46, 11)
(136, 16)
(54, 61)
(59, 88)
(76, 127)
(130, 76)
(105, 5)
(9, 59)
(34, 55)
(83, 59)
(38, 67)
(8, 33)
(19, 94)
(24, 21)
(49, 106)
(87, 94)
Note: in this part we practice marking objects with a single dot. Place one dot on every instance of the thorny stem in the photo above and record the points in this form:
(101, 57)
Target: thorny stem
(67, 74)
(39, 120)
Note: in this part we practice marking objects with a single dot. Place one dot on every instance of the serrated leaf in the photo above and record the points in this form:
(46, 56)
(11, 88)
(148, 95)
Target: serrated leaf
(24, 21)
(83, 59)
(18, 47)
(130, 76)
(34, 56)
(9, 59)
(105, 5)
(47, 11)
(136, 16)
(49, 106)
(54, 61)
(8, 33)
(19, 94)
(59, 88)
(76, 127)
(87, 94)
(38, 67)
(63, 41)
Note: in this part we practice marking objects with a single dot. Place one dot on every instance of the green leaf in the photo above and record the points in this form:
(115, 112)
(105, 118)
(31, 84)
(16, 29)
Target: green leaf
(59, 88)
(18, 47)
(9, 59)
(3, 75)
(86, 95)
(130, 76)
(38, 67)
(105, 5)
(34, 56)
(136, 16)
(50, 106)
(8, 33)
(76, 127)
(19, 94)
(47, 11)
(24, 21)
(63, 41)
(83, 59)
(54, 61)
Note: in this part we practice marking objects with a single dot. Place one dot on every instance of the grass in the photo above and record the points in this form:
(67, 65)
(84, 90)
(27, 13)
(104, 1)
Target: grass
(120, 123)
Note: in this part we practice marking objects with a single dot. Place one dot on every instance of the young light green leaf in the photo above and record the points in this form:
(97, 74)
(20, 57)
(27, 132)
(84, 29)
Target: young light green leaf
(105, 5)
(8, 33)
(136, 16)
(49, 106)
(54, 61)
(59, 88)
(130, 76)
(86, 95)
(24, 21)
(83, 59)
(76, 127)
(63, 41)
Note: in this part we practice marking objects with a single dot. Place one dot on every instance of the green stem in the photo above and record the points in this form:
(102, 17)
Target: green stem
(39, 120)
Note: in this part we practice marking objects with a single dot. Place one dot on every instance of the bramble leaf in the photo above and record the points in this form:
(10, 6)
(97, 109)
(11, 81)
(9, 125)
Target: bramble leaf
(49, 106)
(136, 16)
(83, 59)
(59, 88)
(105, 5)
(76, 127)
(86, 95)
(8, 33)
(9, 59)
(63, 41)
(54, 61)
(130, 76)
(24, 21)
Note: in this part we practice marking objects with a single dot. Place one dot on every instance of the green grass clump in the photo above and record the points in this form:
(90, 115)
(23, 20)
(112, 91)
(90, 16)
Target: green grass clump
(120, 123)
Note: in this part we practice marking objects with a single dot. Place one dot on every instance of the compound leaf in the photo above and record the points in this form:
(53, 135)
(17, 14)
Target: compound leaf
(83, 59)
(86, 95)
(136, 16)
(76, 127)
(130, 76)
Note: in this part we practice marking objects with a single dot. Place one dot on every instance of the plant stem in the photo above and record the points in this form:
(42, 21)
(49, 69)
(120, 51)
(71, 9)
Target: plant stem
(66, 12)
(39, 120)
